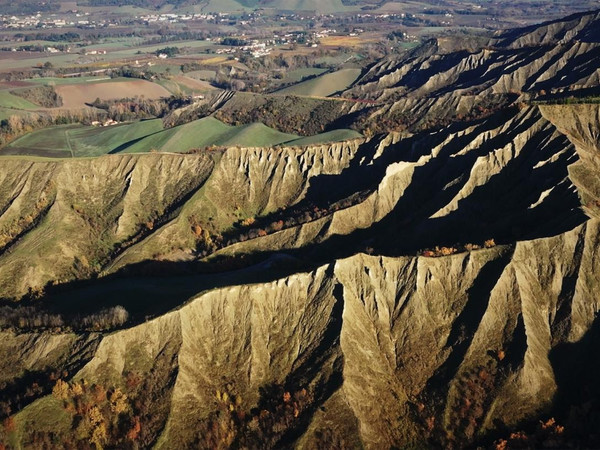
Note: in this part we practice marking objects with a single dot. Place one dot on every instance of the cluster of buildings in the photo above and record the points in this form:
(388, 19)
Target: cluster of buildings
(173, 18)
(95, 52)
(258, 49)
(159, 18)
(254, 48)
(382, 16)
(53, 21)
(106, 123)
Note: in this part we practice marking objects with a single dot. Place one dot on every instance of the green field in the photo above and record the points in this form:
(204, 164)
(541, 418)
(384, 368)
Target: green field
(322, 6)
(81, 141)
(328, 137)
(8, 100)
(185, 85)
(224, 6)
(132, 51)
(336, 60)
(77, 141)
(116, 43)
(32, 42)
(174, 88)
(166, 68)
(52, 142)
(116, 51)
(93, 141)
(295, 76)
(54, 81)
(142, 137)
(325, 85)
(256, 135)
(206, 75)
(209, 131)
(5, 113)
(198, 133)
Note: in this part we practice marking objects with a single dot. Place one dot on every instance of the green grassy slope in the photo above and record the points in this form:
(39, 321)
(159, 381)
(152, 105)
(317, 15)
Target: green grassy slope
(5, 113)
(323, 6)
(100, 140)
(324, 85)
(295, 76)
(324, 138)
(81, 141)
(209, 131)
(199, 133)
(51, 142)
(53, 81)
(223, 6)
(67, 141)
(255, 135)
(8, 100)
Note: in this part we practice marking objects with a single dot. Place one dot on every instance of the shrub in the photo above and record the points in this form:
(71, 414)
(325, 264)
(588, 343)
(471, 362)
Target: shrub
(248, 222)
(230, 424)
(489, 243)
(548, 434)
(107, 318)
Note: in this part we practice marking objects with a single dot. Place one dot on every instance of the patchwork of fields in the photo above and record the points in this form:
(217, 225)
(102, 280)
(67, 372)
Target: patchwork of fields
(77, 140)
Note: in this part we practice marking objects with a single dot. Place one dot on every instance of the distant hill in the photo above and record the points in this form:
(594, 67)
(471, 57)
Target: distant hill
(324, 6)
(27, 6)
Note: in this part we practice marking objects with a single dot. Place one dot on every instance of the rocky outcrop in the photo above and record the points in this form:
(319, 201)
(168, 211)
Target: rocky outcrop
(485, 71)
(439, 81)
(171, 207)
(580, 124)
(84, 212)
(578, 27)
(426, 191)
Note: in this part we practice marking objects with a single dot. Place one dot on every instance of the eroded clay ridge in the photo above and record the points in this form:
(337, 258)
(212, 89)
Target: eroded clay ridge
(551, 57)
(465, 184)
(362, 345)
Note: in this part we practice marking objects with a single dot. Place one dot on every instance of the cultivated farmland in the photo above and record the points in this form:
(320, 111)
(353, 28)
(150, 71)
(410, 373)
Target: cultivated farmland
(77, 95)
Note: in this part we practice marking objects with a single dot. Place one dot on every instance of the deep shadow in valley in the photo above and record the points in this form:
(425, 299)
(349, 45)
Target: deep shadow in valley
(572, 419)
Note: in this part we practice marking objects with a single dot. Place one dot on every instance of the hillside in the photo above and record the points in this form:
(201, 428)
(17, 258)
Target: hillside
(324, 85)
(209, 132)
(11, 101)
(434, 285)
(78, 95)
(439, 81)
(326, 138)
(353, 313)
(80, 141)
(323, 6)
(76, 141)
